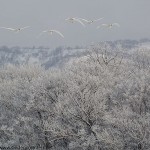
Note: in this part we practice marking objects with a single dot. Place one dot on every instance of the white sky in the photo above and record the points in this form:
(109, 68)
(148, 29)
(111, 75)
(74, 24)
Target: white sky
(132, 15)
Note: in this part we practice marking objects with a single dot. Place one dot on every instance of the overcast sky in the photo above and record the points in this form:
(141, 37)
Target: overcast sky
(132, 15)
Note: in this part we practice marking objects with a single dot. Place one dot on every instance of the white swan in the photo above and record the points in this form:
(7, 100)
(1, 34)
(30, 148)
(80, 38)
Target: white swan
(51, 32)
(109, 25)
(15, 29)
(73, 19)
(90, 21)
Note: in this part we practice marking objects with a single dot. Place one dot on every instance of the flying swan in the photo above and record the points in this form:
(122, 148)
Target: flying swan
(51, 32)
(109, 26)
(73, 19)
(15, 29)
(90, 21)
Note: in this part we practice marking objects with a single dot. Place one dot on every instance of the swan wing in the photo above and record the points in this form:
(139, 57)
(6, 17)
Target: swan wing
(24, 27)
(102, 25)
(83, 19)
(67, 19)
(77, 20)
(58, 33)
(41, 33)
(116, 24)
(97, 19)
(12, 29)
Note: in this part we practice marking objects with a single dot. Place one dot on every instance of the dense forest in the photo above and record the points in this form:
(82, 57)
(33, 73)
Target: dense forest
(98, 101)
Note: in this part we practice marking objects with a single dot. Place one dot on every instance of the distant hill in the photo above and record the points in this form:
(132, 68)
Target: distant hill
(59, 56)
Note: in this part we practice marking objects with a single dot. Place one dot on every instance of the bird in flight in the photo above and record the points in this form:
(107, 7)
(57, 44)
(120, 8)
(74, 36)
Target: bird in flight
(90, 21)
(73, 19)
(109, 26)
(15, 29)
(51, 32)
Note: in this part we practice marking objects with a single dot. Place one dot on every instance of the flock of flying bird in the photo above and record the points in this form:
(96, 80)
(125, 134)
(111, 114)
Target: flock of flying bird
(71, 20)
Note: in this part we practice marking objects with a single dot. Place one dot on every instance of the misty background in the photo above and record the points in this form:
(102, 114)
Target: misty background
(132, 15)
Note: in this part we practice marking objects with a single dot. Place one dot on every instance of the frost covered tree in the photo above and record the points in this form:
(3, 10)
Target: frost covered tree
(97, 102)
